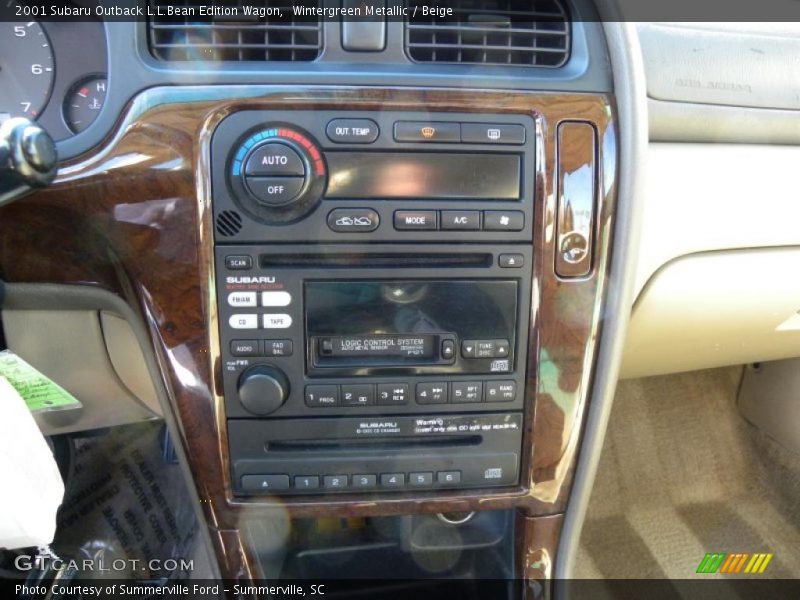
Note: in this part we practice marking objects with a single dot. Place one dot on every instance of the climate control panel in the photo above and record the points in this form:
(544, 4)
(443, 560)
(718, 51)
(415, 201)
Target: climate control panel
(309, 176)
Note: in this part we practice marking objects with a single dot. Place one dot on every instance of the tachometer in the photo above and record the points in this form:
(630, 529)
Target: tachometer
(26, 69)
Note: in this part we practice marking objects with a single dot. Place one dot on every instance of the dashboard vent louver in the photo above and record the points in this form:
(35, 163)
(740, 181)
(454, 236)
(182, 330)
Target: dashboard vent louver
(234, 38)
(229, 223)
(533, 33)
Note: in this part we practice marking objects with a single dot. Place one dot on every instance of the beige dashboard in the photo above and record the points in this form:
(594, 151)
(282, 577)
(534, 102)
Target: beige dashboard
(716, 279)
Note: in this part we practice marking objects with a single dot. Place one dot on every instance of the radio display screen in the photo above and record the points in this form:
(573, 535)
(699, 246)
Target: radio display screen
(405, 322)
(419, 346)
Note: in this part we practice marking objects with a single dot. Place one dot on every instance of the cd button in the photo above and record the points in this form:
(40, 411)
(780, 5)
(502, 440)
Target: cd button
(275, 191)
(464, 220)
(353, 220)
(243, 321)
(408, 220)
(274, 159)
(352, 131)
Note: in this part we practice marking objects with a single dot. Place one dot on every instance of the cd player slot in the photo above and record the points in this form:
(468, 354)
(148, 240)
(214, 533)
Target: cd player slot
(388, 260)
(353, 445)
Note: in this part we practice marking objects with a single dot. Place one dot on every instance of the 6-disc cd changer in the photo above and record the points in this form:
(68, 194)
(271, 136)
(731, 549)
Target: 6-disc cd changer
(383, 454)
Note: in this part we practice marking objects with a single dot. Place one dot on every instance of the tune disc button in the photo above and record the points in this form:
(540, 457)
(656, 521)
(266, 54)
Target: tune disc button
(274, 191)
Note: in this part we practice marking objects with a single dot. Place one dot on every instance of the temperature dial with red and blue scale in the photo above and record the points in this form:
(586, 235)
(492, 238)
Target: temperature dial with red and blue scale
(277, 174)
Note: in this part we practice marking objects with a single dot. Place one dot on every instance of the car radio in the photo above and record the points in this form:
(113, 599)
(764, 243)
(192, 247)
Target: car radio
(358, 351)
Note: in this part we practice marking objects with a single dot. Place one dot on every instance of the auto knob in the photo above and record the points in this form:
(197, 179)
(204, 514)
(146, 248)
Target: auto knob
(277, 175)
(263, 389)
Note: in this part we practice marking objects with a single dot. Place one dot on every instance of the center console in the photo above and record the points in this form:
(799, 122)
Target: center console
(373, 280)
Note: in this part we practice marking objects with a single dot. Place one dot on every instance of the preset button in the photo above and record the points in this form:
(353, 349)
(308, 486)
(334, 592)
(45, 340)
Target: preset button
(392, 394)
(322, 396)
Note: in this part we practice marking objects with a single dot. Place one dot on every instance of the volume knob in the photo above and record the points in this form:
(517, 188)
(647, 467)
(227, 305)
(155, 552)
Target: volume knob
(263, 389)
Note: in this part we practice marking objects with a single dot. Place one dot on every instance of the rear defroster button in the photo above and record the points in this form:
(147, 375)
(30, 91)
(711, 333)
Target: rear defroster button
(353, 220)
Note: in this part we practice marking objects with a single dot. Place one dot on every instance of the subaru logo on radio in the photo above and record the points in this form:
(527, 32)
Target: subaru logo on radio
(250, 280)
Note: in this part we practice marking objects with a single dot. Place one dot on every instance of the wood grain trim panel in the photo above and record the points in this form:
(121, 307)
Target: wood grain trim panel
(133, 217)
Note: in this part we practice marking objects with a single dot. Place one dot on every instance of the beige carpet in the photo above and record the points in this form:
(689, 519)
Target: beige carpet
(683, 474)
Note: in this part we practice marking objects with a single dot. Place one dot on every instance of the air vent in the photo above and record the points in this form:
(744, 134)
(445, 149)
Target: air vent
(229, 223)
(533, 33)
(256, 31)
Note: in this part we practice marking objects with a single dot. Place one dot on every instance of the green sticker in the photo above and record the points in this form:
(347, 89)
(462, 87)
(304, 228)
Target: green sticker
(39, 392)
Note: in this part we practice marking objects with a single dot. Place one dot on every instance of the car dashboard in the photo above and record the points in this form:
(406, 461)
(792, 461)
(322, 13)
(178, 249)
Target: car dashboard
(363, 268)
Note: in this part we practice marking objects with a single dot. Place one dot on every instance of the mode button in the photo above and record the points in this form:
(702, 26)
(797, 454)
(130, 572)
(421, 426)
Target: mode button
(415, 220)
